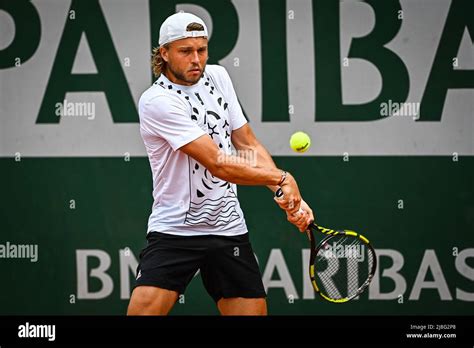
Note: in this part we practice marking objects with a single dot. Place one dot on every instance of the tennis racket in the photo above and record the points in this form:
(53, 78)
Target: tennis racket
(342, 265)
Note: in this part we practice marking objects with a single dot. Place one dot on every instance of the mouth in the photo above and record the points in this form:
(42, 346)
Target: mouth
(195, 71)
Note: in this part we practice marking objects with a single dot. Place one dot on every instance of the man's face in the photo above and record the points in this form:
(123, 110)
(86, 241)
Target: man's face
(186, 59)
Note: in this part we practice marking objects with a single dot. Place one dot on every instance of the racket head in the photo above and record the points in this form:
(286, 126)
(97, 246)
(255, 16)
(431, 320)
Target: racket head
(342, 265)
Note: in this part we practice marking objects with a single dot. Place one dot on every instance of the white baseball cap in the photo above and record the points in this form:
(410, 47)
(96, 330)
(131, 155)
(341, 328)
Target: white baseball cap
(174, 28)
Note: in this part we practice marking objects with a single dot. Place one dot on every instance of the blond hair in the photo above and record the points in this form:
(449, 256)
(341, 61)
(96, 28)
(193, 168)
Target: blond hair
(158, 64)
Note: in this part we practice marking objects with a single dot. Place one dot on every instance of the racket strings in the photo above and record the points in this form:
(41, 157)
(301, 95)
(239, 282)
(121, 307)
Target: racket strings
(343, 265)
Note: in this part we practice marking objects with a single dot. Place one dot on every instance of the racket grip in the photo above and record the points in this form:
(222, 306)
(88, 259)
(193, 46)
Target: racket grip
(279, 195)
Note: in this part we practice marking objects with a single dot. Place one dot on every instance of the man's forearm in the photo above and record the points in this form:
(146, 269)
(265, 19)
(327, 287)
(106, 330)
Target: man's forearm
(243, 170)
(266, 160)
(262, 158)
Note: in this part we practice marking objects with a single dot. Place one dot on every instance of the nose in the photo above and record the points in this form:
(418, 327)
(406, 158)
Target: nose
(195, 57)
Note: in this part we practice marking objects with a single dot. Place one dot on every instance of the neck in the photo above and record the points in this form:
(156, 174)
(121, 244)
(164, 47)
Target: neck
(172, 77)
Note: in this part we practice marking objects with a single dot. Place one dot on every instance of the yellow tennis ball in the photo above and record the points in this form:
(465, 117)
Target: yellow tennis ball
(300, 142)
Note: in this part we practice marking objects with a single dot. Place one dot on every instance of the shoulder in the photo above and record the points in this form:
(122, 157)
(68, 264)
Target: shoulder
(159, 100)
(215, 69)
(218, 72)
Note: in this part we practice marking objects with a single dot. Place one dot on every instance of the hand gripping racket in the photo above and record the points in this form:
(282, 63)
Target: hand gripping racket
(342, 265)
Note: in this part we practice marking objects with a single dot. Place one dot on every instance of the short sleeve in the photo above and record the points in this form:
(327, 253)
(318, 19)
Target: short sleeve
(237, 118)
(168, 117)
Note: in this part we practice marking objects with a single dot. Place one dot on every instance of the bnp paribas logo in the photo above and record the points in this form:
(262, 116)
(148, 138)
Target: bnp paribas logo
(361, 83)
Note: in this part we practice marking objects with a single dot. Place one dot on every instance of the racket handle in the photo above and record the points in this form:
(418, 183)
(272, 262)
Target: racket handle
(279, 195)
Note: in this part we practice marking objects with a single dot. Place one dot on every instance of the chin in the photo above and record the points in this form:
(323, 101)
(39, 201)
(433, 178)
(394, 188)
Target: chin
(194, 79)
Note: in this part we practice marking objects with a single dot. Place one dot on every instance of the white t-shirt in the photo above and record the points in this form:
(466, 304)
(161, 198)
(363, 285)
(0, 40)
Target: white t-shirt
(188, 199)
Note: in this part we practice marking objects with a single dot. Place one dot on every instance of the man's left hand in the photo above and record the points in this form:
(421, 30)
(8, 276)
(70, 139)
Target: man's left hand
(301, 219)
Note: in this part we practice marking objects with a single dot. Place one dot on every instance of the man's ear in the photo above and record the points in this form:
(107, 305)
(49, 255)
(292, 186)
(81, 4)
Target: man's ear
(164, 54)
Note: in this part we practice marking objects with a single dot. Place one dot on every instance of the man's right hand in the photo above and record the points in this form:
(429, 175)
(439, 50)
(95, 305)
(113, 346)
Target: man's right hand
(291, 199)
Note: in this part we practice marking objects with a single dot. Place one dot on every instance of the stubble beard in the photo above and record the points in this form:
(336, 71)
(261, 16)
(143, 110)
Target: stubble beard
(181, 76)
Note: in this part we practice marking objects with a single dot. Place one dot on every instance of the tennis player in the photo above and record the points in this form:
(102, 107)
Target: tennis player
(189, 120)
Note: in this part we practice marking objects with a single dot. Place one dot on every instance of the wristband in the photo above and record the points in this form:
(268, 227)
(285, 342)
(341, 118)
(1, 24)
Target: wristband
(283, 177)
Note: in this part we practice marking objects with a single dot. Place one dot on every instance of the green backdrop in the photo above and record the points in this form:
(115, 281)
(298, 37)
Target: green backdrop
(113, 199)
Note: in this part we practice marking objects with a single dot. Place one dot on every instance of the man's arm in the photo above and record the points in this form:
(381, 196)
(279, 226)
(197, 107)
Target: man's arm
(241, 171)
(244, 139)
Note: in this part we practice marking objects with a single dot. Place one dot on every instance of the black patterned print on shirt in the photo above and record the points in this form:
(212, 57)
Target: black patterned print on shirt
(213, 201)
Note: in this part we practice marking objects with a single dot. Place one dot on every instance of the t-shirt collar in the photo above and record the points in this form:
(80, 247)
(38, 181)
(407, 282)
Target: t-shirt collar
(167, 82)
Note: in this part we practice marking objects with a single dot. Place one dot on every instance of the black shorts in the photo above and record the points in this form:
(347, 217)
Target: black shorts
(227, 264)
